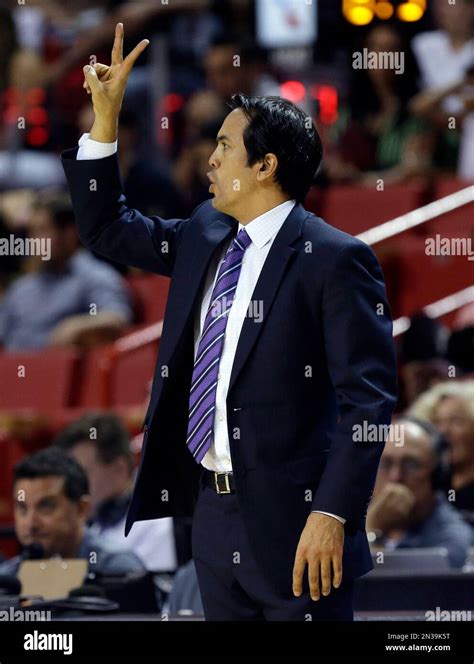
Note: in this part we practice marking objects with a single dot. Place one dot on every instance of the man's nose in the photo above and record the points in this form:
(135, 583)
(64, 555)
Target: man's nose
(31, 521)
(395, 474)
(212, 160)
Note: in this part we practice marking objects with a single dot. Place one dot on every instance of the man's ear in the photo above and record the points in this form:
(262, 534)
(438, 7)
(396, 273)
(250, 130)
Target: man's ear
(268, 166)
(84, 507)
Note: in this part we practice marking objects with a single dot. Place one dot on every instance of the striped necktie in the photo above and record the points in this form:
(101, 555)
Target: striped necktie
(202, 400)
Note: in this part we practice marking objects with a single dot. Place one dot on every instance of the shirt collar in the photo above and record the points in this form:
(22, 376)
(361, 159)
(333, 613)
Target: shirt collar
(264, 227)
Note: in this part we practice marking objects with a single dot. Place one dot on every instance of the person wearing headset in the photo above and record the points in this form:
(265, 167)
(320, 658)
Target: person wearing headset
(410, 508)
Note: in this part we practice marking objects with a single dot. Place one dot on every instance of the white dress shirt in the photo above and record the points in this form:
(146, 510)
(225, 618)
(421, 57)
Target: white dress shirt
(262, 231)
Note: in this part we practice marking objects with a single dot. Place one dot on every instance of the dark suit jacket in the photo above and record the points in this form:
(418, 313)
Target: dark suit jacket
(320, 362)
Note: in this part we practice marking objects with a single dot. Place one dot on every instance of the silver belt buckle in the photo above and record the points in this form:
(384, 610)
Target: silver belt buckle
(227, 484)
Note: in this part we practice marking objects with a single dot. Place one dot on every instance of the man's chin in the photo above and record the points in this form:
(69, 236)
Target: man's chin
(218, 205)
(215, 204)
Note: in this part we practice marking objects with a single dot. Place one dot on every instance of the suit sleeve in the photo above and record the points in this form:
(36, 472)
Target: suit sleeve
(362, 367)
(106, 224)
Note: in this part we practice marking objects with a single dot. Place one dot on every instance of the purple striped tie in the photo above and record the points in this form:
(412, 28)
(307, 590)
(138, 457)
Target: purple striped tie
(202, 400)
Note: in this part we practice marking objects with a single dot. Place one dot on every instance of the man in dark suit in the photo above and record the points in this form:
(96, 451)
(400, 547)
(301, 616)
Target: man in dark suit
(276, 352)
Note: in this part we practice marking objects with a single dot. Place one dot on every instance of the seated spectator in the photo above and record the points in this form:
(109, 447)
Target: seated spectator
(72, 298)
(100, 443)
(52, 503)
(224, 76)
(444, 54)
(190, 170)
(450, 407)
(445, 58)
(460, 348)
(251, 74)
(376, 136)
(419, 376)
(407, 511)
(147, 183)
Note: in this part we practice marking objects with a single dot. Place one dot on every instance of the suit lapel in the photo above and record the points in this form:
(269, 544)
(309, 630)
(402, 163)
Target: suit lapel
(188, 280)
(267, 286)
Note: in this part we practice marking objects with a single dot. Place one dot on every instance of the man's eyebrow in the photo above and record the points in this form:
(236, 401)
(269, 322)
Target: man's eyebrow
(222, 137)
(42, 500)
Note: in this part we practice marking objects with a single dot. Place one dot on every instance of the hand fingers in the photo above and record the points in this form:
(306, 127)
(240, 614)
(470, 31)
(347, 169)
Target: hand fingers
(101, 69)
(325, 575)
(91, 79)
(117, 49)
(102, 72)
(133, 55)
(337, 570)
(298, 571)
(313, 576)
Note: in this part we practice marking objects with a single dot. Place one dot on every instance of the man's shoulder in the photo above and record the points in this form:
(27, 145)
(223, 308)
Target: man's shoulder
(428, 41)
(83, 263)
(447, 517)
(10, 567)
(22, 285)
(206, 212)
(327, 240)
(91, 271)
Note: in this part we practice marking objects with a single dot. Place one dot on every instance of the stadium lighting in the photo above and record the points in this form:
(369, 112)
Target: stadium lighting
(295, 91)
(384, 10)
(358, 12)
(361, 12)
(411, 11)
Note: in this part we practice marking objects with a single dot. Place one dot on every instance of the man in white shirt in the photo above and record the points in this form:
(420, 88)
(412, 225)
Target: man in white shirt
(444, 57)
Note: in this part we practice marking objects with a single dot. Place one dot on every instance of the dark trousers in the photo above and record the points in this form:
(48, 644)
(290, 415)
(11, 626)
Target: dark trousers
(231, 584)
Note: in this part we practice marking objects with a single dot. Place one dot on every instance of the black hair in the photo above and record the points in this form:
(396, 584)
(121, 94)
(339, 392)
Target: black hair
(112, 439)
(424, 340)
(277, 125)
(52, 461)
(58, 205)
(460, 348)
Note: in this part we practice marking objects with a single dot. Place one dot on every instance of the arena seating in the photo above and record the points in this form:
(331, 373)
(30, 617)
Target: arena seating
(459, 221)
(355, 209)
(149, 292)
(39, 379)
(118, 375)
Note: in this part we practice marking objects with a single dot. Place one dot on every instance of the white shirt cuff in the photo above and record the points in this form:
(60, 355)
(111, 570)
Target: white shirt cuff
(90, 149)
(339, 518)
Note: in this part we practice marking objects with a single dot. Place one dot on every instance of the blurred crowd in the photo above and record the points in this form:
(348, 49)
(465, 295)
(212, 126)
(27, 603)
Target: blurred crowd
(395, 126)
(398, 125)
(71, 498)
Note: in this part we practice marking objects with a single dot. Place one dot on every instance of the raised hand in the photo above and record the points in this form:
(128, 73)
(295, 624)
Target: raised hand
(107, 86)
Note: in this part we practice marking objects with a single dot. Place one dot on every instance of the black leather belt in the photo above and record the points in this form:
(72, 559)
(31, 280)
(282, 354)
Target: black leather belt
(220, 482)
